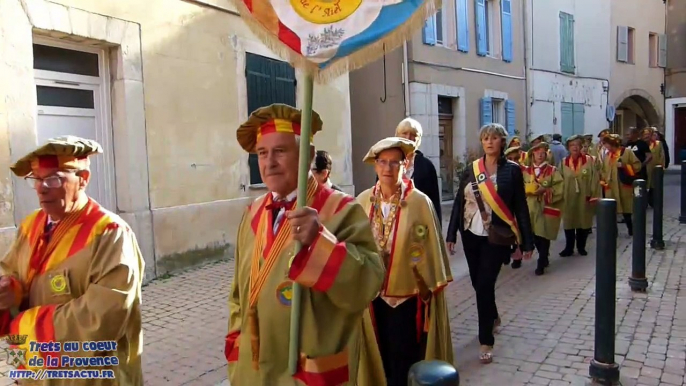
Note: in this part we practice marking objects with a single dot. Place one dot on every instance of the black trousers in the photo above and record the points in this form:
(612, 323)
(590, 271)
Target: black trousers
(629, 223)
(543, 247)
(396, 331)
(484, 260)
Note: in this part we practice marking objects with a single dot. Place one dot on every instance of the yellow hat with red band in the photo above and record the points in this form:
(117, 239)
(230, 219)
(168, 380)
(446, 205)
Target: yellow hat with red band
(276, 118)
(68, 152)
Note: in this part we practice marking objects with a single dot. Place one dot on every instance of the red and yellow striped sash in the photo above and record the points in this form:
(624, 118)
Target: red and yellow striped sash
(71, 235)
(490, 195)
(260, 272)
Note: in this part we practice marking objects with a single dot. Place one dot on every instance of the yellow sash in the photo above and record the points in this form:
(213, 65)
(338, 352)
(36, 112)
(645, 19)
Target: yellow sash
(490, 194)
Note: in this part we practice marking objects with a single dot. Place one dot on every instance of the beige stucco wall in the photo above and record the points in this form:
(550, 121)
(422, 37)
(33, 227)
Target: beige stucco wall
(191, 97)
(374, 117)
(676, 54)
(638, 78)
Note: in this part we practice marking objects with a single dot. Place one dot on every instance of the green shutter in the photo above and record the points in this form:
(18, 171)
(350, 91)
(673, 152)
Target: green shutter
(579, 111)
(567, 121)
(567, 43)
(268, 81)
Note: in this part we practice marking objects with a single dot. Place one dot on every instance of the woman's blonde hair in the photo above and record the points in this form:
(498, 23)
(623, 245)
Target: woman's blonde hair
(493, 129)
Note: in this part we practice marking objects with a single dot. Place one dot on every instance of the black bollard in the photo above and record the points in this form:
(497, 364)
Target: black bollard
(658, 207)
(682, 217)
(433, 373)
(603, 368)
(638, 281)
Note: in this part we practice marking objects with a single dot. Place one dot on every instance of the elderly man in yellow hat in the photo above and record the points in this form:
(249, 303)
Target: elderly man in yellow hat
(338, 268)
(410, 313)
(74, 273)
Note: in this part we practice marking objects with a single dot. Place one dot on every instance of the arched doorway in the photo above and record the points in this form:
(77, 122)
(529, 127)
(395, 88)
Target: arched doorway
(635, 109)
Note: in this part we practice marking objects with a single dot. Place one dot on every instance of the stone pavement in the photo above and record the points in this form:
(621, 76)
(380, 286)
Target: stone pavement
(546, 337)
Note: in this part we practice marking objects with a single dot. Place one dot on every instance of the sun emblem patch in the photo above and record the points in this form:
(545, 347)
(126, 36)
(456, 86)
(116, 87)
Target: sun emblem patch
(58, 284)
(416, 253)
(481, 177)
(284, 293)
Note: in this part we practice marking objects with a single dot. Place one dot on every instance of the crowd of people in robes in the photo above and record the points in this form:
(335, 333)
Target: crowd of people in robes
(373, 268)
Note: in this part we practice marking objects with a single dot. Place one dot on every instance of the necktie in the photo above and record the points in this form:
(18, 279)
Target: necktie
(278, 209)
(48, 230)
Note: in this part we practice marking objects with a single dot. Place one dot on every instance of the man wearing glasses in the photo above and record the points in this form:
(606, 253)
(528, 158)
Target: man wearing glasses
(74, 272)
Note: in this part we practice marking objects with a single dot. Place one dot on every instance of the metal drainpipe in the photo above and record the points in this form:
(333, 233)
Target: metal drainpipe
(527, 105)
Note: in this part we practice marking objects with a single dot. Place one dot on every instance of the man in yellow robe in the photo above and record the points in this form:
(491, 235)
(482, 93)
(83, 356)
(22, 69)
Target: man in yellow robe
(339, 270)
(410, 314)
(74, 273)
(657, 150)
(620, 168)
(544, 189)
(581, 192)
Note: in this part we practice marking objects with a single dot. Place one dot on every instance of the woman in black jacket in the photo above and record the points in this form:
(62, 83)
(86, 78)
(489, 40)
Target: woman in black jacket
(492, 216)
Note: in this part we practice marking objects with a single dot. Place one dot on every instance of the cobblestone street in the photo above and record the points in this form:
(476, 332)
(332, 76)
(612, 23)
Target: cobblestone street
(548, 322)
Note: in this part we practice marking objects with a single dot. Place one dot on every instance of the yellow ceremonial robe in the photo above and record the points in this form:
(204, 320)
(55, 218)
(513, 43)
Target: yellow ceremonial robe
(83, 285)
(657, 150)
(417, 239)
(545, 210)
(581, 191)
(340, 274)
(614, 188)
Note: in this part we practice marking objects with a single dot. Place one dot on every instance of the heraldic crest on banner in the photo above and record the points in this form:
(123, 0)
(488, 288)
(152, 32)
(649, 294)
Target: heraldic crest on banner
(328, 38)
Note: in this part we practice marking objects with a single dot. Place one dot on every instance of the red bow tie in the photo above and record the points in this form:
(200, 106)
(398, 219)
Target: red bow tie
(283, 204)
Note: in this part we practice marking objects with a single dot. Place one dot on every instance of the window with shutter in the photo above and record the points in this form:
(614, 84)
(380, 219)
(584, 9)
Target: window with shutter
(579, 111)
(622, 44)
(510, 119)
(506, 20)
(268, 81)
(573, 119)
(486, 111)
(662, 55)
(567, 43)
(462, 11)
(429, 31)
(481, 27)
(567, 119)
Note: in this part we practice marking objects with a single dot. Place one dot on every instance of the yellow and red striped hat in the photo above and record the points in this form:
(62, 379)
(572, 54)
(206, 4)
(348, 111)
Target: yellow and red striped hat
(276, 118)
(68, 152)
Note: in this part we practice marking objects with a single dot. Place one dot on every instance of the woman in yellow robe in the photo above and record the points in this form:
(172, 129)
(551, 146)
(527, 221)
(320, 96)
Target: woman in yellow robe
(521, 155)
(514, 154)
(657, 150)
(410, 314)
(620, 168)
(544, 189)
(581, 192)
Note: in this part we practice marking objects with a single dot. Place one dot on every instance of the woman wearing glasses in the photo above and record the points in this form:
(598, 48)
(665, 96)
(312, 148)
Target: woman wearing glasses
(410, 314)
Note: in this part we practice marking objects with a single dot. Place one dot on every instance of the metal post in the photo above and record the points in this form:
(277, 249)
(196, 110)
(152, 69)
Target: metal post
(603, 367)
(658, 207)
(682, 217)
(637, 280)
(433, 373)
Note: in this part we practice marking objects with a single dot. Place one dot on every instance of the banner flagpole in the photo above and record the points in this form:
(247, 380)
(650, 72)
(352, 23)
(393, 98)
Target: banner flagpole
(303, 174)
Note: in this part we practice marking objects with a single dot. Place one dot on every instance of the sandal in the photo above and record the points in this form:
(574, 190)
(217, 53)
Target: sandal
(486, 354)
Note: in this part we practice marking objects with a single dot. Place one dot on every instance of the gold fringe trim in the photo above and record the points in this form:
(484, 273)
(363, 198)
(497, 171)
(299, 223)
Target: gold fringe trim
(357, 59)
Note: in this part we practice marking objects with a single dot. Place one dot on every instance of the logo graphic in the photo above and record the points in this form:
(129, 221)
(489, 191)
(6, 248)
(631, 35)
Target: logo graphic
(284, 293)
(325, 11)
(10, 354)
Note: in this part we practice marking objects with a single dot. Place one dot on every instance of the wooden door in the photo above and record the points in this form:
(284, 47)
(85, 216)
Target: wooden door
(679, 133)
(445, 138)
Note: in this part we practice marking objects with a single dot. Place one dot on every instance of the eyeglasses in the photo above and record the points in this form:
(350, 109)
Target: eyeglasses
(52, 182)
(385, 162)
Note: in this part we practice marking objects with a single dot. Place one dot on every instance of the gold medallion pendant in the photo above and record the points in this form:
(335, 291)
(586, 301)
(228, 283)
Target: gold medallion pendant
(325, 11)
